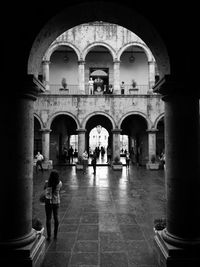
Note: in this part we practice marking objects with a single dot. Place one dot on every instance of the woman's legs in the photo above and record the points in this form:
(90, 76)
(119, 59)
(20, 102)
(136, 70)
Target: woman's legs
(56, 220)
(48, 210)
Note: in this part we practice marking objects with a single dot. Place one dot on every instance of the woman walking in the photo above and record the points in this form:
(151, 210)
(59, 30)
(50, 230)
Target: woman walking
(52, 192)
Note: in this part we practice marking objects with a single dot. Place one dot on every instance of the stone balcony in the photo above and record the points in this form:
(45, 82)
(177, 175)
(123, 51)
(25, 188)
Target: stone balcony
(73, 89)
(114, 106)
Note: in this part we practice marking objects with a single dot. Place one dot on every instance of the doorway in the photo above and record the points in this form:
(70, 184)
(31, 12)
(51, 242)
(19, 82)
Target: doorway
(100, 77)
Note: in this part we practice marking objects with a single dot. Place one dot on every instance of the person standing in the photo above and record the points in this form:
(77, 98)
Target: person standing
(39, 159)
(52, 193)
(91, 86)
(127, 159)
(71, 154)
(122, 88)
(85, 161)
(94, 162)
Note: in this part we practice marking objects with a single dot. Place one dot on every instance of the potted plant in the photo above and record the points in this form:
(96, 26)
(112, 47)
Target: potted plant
(79, 163)
(117, 164)
(133, 89)
(152, 164)
(159, 224)
(134, 84)
(37, 226)
(64, 84)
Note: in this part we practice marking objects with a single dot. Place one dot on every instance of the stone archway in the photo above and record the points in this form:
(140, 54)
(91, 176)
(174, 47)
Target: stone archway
(135, 127)
(99, 121)
(63, 127)
(55, 46)
(95, 10)
(38, 125)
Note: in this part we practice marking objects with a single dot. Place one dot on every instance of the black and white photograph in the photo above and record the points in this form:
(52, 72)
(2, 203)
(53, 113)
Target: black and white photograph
(100, 134)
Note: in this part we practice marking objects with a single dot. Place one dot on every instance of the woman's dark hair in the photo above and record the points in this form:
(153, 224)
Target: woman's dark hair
(53, 179)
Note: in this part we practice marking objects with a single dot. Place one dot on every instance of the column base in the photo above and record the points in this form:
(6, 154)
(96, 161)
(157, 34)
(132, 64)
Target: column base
(168, 255)
(31, 255)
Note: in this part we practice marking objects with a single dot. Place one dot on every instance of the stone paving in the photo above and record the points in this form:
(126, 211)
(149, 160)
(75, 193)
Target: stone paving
(105, 220)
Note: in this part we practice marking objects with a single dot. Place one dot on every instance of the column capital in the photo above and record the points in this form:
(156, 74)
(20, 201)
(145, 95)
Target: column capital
(81, 130)
(151, 62)
(46, 62)
(116, 131)
(170, 85)
(152, 130)
(81, 62)
(116, 61)
(45, 130)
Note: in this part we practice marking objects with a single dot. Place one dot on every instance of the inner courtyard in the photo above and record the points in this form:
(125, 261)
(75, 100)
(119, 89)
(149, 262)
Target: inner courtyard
(125, 66)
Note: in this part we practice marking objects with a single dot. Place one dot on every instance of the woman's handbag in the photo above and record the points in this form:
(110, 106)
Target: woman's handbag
(42, 197)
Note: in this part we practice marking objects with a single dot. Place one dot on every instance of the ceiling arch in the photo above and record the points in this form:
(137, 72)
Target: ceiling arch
(96, 11)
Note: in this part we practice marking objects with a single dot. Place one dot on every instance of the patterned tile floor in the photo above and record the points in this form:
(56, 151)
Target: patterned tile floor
(105, 220)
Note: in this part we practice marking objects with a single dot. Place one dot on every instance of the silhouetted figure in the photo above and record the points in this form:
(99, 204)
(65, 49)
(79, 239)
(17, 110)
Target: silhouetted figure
(94, 162)
(127, 160)
(71, 154)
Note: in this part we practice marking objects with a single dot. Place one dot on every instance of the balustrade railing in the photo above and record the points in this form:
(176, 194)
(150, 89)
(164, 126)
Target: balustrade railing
(73, 89)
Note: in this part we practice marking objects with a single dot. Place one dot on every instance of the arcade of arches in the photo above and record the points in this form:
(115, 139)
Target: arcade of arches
(51, 142)
(61, 113)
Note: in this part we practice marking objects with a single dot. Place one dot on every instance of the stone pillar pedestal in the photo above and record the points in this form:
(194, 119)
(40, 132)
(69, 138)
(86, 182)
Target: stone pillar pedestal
(152, 150)
(47, 164)
(81, 76)
(45, 66)
(19, 244)
(81, 141)
(116, 75)
(179, 243)
(151, 65)
(116, 143)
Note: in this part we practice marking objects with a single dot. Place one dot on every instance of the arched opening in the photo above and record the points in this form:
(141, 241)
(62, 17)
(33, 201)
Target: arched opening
(37, 137)
(62, 139)
(99, 67)
(63, 70)
(98, 12)
(98, 143)
(160, 137)
(99, 136)
(135, 127)
(182, 191)
(134, 70)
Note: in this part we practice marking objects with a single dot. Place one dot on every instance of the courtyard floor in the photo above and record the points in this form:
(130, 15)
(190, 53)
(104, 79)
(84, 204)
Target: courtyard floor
(105, 220)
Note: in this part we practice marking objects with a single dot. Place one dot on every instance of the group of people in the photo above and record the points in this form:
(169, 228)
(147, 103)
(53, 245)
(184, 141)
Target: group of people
(68, 154)
(97, 85)
(106, 90)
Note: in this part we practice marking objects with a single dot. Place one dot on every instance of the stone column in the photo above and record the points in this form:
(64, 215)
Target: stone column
(45, 67)
(179, 243)
(116, 143)
(151, 72)
(47, 164)
(81, 76)
(116, 75)
(19, 245)
(151, 143)
(81, 141)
